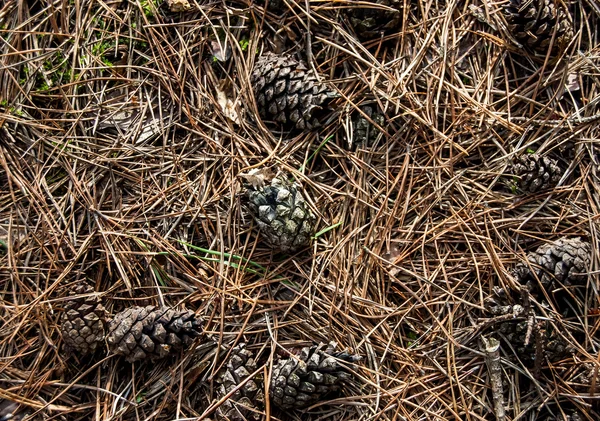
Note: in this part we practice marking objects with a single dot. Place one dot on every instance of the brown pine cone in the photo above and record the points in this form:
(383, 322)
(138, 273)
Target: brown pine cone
(303, 380)
(83, 322)
(536, 172)
(151, 332)
(534, 22)
(247, 402)
(287, 92)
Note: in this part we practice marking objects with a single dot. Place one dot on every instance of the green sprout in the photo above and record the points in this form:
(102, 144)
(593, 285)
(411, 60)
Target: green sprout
(140, 397)
(148, 6)
(413, 337)
(43, 87)
(301, 169)
(513, 185)
(329, 228)
(244, 44)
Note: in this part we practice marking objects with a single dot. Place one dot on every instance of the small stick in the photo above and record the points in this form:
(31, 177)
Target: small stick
(539, 349)
(492, 360)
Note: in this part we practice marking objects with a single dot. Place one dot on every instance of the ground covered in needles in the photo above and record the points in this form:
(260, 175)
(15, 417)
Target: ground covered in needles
(299, 210)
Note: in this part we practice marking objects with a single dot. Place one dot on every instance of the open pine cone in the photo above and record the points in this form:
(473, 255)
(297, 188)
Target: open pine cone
(553, 346)
(281, 213)
(535, 22)
(525, 331)
(151, 332)
(561, 268)
(566, 260)
(536, 172)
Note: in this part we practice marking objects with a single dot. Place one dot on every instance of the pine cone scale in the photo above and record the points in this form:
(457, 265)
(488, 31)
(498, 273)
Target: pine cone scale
(535, 22)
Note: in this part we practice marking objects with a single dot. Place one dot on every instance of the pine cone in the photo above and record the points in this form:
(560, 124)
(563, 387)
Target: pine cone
(151, 332)
(381, 16)
(567, 260)
(287, 92)
(301, 381)
(282, 214)
(563, 262)
(553, 346)
(535, 22)
(247, 402)
(516, 329)
(363, 131)
(83, 321)
(536, 172)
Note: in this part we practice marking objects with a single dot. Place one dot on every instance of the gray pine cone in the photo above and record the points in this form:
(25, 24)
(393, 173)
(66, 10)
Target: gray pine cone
(515, 330)
(363, 131)
(553, 345)
(282, 214)
(566, 260)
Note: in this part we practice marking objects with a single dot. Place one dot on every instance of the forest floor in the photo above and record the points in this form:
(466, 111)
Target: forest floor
(125, 128)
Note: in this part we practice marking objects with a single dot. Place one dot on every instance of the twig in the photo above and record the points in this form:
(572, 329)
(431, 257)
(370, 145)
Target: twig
(491, 347)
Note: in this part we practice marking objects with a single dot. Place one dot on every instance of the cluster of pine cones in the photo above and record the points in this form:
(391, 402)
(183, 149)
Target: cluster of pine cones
(291, 96)
(553, 280)
(150, 333)
(298, 380)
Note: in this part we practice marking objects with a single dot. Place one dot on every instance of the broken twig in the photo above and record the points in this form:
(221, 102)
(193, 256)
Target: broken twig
(492, 359)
